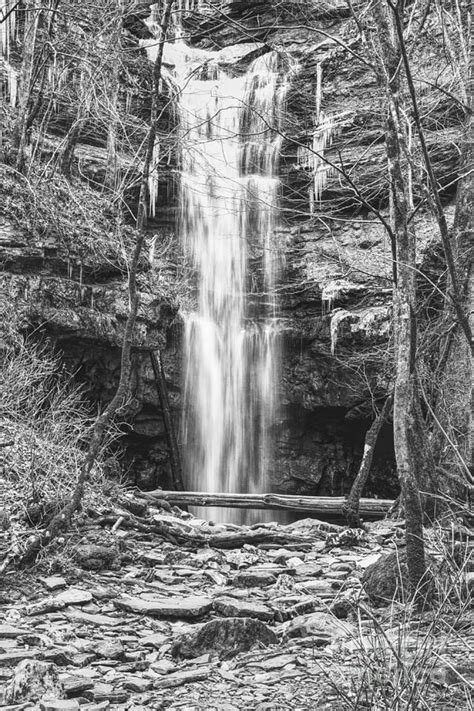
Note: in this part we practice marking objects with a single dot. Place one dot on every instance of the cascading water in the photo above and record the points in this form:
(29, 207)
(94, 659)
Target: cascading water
(229, 207)
(230, 148)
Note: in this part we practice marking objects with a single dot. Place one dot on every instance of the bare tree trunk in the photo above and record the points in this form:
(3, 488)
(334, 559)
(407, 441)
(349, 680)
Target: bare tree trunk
(72, 139)
(407, 424)
(43, 61)
(351, 506)
(111, 170)
(175, 459)
(454, 405)
(20, 134)
(434, 195)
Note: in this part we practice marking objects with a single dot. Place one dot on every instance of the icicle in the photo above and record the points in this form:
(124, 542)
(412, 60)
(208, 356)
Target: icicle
(311, 200)
(319, 90)
(12, 78)
(153, 179)
(312, 158)
(151, 253)
(336, 319)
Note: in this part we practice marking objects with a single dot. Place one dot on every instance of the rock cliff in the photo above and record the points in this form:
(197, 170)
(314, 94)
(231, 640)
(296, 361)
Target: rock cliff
(68, 281)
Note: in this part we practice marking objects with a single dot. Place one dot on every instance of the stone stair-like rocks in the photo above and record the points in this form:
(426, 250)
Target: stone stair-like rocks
(191, 625)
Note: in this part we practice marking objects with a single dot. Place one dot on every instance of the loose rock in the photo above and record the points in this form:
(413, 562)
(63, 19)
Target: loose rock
(387, 579)
(167, 607)
(226, 638)
(31, 681)
(229, 607)
(252, 579)
(320, 624)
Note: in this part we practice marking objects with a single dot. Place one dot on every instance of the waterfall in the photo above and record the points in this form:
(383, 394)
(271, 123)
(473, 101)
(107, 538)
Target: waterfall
(228, 213)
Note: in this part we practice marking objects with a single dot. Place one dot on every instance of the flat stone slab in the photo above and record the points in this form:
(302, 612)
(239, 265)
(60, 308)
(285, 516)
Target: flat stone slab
(59, 705)
(323, 625)
(182, 677)
(54, 582)
(74, 596)
(315, 587)
(181, 607)
(137, 684)
(75, 685)
(43, 607)
(93, 619)
(155, 640)
(253, 579)
(10, 658)
(153, 558)
(11, 632)
(230, 607)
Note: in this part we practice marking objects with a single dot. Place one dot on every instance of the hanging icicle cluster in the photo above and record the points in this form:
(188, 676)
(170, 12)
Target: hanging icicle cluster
(189, 5)
(311, 157)
(8, 75)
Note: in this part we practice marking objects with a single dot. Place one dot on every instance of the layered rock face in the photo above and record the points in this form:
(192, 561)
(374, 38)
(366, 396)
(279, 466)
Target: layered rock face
(335, 288)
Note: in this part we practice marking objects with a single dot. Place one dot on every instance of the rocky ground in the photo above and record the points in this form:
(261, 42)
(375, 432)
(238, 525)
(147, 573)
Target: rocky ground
(158, 609)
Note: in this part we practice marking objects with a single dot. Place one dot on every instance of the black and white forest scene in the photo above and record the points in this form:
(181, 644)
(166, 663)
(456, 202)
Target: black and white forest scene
(236, 315)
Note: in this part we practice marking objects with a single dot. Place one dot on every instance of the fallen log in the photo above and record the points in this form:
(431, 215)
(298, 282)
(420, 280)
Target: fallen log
(173, 531)
(325, 506)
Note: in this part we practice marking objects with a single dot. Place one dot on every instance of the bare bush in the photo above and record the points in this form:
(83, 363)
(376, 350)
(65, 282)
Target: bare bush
(47, 422)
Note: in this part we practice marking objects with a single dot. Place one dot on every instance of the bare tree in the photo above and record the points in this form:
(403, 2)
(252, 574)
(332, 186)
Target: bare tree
(62, 520)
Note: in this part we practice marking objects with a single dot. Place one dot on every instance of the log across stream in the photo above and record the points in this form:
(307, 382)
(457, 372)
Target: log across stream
(324, 506)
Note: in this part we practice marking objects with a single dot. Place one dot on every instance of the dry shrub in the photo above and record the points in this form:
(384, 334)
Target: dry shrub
(48, 423)
(407, 659)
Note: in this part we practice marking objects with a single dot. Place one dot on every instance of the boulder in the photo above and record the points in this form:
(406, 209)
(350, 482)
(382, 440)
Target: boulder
(387, 579)
(322, 626)
(97, 557)
(31, 681)
(226, 637)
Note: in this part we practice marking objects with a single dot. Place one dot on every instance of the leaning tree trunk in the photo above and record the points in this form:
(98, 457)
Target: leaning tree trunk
(351, 506)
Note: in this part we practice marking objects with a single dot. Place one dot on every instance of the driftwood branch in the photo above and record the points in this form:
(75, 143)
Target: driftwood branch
(326, 506)
(176, 532)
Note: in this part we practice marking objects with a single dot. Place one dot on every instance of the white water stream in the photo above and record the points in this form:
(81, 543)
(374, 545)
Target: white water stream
(230, 149)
